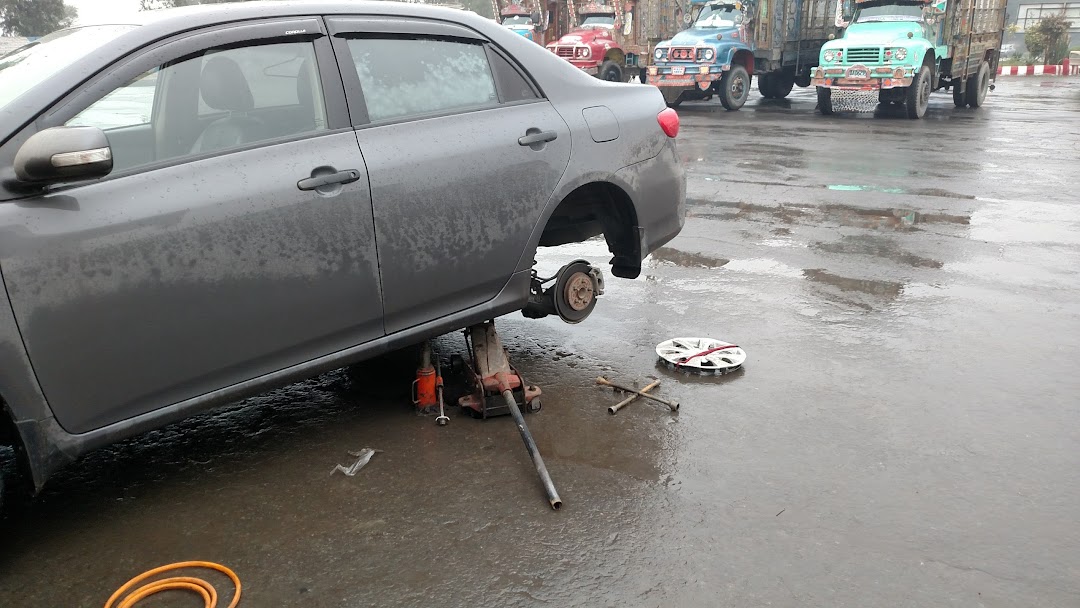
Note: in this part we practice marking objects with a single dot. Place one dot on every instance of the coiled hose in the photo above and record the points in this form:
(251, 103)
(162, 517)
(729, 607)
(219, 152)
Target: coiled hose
(183, 583)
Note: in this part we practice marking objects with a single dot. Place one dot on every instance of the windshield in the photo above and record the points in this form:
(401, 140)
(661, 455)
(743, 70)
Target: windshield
(517, 20)
(598, 21)
(31, 65)
(719, 15)
(889, 12)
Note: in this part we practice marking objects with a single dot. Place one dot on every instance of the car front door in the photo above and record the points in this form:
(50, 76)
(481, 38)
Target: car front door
(463, 153)
(209, 256)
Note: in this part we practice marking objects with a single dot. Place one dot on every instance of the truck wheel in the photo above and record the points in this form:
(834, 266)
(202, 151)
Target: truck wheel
(734, 88)
(959, 98)
(978, 85)
(824, 100)
(782, 85)
(918, 94)
(766, 85)
(610, 71)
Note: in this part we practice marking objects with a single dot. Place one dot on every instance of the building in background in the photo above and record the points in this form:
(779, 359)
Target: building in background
(1026, 13)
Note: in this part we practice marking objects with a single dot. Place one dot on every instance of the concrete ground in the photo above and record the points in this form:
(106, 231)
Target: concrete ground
(906, 431)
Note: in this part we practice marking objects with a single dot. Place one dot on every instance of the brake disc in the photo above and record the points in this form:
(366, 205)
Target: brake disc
(701, 355)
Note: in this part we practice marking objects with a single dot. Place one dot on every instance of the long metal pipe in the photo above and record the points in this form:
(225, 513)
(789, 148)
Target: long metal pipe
(534, 452)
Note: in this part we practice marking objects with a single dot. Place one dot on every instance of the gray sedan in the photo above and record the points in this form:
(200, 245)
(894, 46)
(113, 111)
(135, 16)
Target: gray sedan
(201, 204)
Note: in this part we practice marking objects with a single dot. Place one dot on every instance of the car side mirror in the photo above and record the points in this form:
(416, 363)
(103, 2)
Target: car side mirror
(64, 154)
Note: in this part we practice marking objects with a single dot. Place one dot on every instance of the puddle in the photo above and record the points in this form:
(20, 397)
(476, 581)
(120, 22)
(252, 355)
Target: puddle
(846, 215)
(938, 192)
(877, 247)
(887, 289)
(856, 188)
(686, 259)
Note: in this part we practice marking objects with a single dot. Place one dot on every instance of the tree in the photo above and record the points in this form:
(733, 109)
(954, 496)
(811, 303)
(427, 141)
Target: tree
(1049, 38)
(35, 17)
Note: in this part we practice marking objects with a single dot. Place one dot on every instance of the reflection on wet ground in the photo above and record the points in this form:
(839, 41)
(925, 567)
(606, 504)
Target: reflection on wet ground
(691, 260)
(845, 215)
(902, 434)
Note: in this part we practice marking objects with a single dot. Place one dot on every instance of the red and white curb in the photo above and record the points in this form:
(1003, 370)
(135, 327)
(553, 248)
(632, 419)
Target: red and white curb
(1039, 70)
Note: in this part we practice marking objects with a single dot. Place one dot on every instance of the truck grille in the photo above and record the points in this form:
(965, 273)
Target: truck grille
(861, 55)
(678, 53)
(564, 51)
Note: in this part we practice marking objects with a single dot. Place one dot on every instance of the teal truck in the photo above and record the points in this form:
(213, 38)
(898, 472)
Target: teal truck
(728, 42)
(904, 50)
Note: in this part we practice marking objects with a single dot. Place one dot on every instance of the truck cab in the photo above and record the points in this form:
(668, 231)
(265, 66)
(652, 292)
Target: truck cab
(903, 50)
(519, 20)
(712, 57)
(591, 46)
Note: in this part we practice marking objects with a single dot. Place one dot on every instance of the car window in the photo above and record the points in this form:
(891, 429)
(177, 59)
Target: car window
(209, 102)
(127, 106)
(512, 85)
(403, 77)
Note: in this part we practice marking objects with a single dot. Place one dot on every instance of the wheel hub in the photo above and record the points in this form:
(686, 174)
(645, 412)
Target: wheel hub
(579, 291)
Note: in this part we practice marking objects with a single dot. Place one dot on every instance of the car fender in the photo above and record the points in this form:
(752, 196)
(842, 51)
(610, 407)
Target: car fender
(45, 444)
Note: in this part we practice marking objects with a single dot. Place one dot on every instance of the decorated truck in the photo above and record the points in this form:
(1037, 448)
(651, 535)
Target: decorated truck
(903, 50)
(522, 17)
(729, 41)
(613, 41)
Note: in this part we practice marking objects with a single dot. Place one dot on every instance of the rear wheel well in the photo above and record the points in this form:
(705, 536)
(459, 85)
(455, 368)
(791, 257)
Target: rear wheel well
(593, 209)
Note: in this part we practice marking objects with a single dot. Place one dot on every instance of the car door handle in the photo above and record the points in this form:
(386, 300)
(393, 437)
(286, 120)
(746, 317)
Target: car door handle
(341, 177)
(539, 137)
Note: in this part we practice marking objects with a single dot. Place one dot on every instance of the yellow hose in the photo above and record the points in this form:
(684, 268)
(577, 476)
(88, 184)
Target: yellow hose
(184, 583)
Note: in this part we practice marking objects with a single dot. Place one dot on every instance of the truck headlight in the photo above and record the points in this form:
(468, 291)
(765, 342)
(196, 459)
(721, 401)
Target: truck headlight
(828, 56)
(899, 54)
(709, 54)
(584, 51)
(658, 53)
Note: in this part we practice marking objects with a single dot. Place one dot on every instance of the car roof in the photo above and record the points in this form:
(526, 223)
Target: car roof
(209, 14)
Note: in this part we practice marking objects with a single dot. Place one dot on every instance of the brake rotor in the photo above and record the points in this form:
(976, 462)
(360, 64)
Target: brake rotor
(575, 292)
(701, 355)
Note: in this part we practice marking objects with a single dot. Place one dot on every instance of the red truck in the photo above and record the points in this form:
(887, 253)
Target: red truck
(611, 41)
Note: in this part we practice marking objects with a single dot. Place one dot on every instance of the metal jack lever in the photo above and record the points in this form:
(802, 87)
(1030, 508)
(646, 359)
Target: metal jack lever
(530, 444)
(443, 419)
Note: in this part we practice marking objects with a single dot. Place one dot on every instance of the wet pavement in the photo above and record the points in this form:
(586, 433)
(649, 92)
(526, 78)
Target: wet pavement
(905, 431)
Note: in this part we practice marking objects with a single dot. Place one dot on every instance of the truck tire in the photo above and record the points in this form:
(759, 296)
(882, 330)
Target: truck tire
(978, 85)
(824, 100)
(610, 71)
(959, 98)
(734, 88)
(918, 94)
(766, 85)
(782, 85)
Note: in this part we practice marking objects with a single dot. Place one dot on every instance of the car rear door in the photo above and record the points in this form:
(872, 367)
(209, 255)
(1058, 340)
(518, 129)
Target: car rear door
(208, 257)
(463, 154)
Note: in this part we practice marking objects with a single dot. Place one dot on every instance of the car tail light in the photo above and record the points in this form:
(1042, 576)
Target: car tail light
(669, 121)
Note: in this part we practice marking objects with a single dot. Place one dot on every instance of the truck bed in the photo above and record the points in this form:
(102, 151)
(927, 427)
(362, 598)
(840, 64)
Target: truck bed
(791, 32)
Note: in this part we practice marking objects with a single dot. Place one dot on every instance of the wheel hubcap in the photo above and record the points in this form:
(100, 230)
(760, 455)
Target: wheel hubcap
(738, 87)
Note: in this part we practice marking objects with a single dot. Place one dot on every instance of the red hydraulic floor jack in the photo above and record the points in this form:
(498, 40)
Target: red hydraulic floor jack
(494, 386)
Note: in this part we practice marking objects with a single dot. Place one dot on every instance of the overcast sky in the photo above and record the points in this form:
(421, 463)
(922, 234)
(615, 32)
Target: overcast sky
(103, 10)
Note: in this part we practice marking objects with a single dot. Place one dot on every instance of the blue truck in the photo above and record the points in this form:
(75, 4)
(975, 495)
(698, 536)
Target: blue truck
(727, 42)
